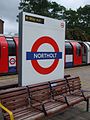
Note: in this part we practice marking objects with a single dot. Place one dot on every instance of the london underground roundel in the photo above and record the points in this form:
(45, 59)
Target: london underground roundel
(33, 55)
(12, 61)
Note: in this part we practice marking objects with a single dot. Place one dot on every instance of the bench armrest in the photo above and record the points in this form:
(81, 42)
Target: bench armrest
(8, 111)
(80, 93)
(66, 100)
(83, 93)
(85, 90)
(40, 107)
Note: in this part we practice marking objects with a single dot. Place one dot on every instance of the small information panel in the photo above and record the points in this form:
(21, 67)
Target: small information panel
(41, 49)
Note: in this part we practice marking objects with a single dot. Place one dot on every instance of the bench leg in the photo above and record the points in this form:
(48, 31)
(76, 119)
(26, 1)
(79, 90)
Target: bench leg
(45, 113)
(87, 105)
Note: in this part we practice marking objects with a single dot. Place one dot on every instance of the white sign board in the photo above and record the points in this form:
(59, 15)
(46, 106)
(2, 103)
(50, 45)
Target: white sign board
(41, 49)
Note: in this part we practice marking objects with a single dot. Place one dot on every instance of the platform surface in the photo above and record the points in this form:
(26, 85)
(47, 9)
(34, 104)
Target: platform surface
(77, 112)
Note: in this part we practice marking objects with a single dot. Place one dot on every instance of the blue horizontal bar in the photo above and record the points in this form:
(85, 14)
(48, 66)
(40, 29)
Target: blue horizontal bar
(43, 55)
(12, 69)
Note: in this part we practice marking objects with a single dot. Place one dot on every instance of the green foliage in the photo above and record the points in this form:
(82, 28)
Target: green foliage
(84, 18)
(40, 7)
(78, 20)
(57, 11)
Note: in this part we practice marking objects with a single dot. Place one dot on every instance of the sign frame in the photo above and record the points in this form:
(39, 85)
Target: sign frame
(40, 20)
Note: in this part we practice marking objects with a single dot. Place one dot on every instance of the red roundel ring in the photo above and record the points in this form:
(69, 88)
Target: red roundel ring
(35, 47)
(12, 61)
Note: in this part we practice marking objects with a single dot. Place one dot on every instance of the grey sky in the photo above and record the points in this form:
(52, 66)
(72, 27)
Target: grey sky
(9, 11)
(74, 4)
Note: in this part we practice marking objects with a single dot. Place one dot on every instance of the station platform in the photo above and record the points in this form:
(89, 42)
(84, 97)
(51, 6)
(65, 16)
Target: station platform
(77, 112)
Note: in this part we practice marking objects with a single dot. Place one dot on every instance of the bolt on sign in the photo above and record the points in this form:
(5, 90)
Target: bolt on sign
(41, 49)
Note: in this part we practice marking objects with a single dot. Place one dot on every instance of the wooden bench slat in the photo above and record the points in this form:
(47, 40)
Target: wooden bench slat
(35, 101)
(43, 95)
(17, 100)
(70, 85)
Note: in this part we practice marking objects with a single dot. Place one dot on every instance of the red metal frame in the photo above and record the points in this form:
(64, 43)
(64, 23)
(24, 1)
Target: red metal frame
(3, 55)
(77, 59)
